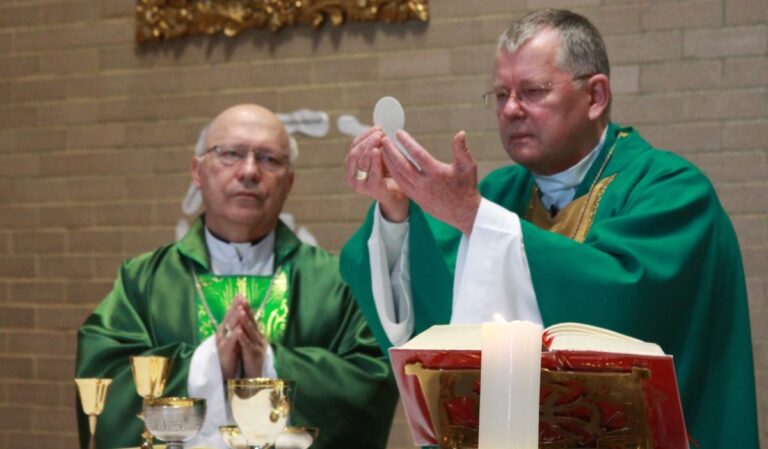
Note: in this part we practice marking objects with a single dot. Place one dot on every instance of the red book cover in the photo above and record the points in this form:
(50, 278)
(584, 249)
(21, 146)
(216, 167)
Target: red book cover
(588, 399)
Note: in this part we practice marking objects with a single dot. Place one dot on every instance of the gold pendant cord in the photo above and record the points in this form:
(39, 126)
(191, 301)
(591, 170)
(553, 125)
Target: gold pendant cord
(591, 189)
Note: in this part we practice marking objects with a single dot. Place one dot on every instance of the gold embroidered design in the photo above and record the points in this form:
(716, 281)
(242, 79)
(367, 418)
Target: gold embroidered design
(568, 222)
(268, 298)
(573, 221)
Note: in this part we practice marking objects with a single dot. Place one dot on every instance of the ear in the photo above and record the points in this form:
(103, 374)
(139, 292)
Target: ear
(196, 171)
(600, 96)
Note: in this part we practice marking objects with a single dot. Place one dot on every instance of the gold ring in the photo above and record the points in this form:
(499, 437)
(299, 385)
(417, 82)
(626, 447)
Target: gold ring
(361, 175)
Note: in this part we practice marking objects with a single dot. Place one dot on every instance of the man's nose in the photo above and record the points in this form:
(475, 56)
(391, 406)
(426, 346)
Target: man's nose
(511, 108)
(249, 168)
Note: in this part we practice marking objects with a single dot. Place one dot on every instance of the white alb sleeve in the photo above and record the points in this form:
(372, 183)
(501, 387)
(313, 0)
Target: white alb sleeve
(205, 381)
(391, 277)
(268, 367)
(492, 272)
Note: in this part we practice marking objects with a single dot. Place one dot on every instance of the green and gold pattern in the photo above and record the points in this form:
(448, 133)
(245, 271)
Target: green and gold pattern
(220, 292)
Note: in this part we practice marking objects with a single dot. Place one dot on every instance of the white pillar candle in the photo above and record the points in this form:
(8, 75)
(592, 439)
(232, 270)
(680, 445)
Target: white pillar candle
(510, 373)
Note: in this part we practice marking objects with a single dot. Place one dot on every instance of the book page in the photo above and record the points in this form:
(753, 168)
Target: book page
(585, 329)
(583, 337)
(562, 337)
(603, 344)
(447, 336)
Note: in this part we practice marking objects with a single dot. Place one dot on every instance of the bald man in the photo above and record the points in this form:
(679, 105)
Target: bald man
(240, 296)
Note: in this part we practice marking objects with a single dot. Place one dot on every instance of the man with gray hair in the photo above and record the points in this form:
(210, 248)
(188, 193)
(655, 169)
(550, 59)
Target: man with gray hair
(592, 224)
(240, 296)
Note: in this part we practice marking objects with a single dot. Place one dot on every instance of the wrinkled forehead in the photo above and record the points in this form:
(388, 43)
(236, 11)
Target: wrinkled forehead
(516, 38)
(535, 57)
(248, 128)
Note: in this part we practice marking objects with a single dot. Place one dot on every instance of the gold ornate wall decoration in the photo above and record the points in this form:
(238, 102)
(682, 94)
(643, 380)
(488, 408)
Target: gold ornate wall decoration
(166, 19)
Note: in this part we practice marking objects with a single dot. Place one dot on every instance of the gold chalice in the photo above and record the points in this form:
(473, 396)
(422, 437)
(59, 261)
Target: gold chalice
(232, 437)
(297, 437)
(149, 374)
(290, 438)
(260, 407)
(93, 395)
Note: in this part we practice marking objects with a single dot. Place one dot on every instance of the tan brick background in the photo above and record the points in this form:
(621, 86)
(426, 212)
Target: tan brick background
(96, 136)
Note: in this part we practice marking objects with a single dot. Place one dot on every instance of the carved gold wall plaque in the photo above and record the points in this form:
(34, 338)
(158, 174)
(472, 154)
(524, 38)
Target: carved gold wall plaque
(166, 19)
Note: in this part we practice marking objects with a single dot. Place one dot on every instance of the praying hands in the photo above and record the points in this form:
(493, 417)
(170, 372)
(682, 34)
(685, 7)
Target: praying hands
(239, 342)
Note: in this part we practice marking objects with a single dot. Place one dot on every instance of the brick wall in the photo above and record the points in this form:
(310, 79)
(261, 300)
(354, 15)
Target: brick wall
(96, 136)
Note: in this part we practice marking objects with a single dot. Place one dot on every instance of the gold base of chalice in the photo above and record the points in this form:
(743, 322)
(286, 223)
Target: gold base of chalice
(290, 438)
(232, 437)
(297, 437)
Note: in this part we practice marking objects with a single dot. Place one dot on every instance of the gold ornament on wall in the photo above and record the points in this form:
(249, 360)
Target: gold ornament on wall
(166, 19)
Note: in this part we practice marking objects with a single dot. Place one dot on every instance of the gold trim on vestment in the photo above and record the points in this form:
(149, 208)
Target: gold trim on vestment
(574, 220)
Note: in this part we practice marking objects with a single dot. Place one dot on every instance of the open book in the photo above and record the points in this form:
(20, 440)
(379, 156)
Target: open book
(558, 337)
(599, 388)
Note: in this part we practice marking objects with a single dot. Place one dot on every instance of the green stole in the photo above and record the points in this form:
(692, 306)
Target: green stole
(266, 295)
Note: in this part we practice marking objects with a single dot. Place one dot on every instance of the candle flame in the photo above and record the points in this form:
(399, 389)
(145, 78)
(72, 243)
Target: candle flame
(497, 317)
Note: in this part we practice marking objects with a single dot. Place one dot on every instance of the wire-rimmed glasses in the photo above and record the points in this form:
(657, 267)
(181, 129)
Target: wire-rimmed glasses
(526, 95)
(231, 155)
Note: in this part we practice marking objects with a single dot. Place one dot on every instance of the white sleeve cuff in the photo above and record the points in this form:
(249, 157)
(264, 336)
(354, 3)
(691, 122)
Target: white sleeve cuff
(205, 381)
(268, 368)
(394, 235)
(391, 287)
(492, 272)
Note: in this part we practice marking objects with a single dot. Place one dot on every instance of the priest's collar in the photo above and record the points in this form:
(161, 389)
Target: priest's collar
(559, 189)
(241, 258)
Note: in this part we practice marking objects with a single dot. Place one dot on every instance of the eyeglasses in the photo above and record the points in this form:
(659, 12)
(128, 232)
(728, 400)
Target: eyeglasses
(526, 95)
(230, 156)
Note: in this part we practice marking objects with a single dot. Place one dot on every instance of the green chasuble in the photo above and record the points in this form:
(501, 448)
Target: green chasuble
(660, 262)
(343, 381)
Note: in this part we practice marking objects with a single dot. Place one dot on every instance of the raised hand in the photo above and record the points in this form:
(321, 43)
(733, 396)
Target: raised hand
(446, 191)
(366, 174)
